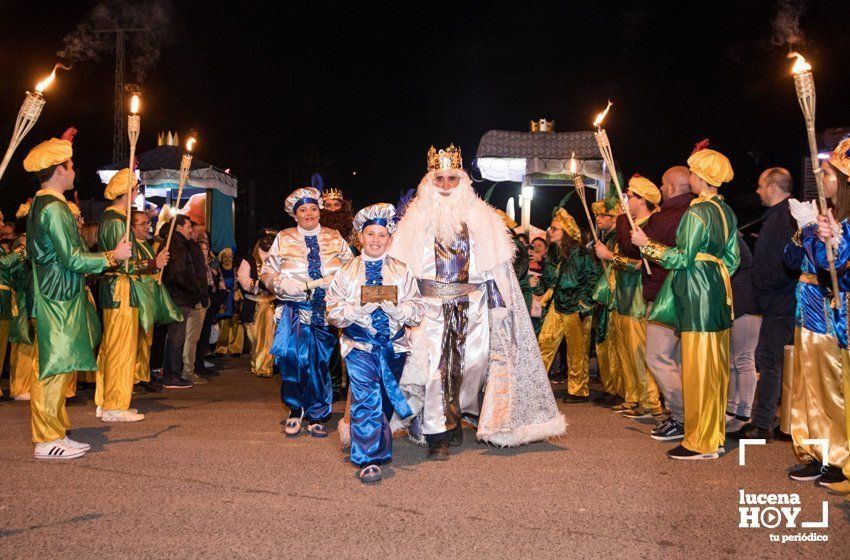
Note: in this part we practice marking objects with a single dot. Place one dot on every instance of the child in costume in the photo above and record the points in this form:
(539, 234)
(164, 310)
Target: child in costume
(374, 341)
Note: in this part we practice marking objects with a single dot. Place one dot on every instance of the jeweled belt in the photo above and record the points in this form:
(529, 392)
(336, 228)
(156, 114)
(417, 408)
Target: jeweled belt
(444, 290)
(260, 298)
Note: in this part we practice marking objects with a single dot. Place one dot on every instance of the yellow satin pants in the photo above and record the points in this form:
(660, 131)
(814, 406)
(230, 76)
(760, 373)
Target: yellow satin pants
(608, 359)
(817, 399)
(143, 357)
(4, 339)
(71, 386)
(23, 368)
(116, 361)
(231, 336)
(705, 385)
(555, 327)
(638, 385)
(48, 417)
(260, 335)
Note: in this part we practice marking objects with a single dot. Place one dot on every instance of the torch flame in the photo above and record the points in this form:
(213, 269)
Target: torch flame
(573, 163)
(601, 116)
(190, 143)
(800, 65)
(42, 85)
(134, 104)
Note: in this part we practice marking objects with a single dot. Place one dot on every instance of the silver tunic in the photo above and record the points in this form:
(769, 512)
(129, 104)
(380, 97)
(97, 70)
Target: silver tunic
(287, 259)
(344, 293)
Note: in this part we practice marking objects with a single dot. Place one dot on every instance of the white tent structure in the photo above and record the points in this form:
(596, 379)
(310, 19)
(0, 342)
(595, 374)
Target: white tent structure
(541, 159)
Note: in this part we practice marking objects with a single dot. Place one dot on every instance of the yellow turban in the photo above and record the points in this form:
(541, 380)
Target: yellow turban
(711, 166)
(840, 156)
(568, 223)
(118, 184)
(23, 211)
(49, 153)
(509, 223)
(645, 188)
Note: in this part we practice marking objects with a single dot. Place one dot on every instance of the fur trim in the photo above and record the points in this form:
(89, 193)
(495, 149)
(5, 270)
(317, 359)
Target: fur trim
(523, 435)
(343, 428)
(492, 240)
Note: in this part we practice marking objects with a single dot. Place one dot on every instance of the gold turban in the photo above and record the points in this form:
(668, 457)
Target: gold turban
(840, 156)
(48, 153)
(118, 184)
(568, 223)
(711, 166)
(645, 188)
(23, 210)
(608, 206)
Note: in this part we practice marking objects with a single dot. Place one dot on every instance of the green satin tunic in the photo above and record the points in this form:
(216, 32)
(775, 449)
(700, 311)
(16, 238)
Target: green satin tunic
(603, 292)
(155, 304)
(693, 298)
(66, 323)
(572, 280)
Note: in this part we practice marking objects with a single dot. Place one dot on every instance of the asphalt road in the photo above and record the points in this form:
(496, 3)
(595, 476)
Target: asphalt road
(209, 474)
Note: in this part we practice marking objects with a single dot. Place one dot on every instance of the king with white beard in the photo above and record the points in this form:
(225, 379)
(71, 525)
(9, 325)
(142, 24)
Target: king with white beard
(474, 354)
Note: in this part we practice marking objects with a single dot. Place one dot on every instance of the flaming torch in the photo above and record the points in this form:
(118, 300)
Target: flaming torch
(804, 83)
(578, 182)
(27, 115)
(605, 150)
(185, 166)
(134, 126)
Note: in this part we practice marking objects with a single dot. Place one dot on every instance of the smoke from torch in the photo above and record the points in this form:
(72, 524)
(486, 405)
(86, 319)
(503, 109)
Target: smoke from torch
(150, 22)
(786, 23)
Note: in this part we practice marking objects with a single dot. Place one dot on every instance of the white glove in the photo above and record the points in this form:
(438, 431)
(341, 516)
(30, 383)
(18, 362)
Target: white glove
(804, 212)
(392, 310)
(354, 313)
(291, 287)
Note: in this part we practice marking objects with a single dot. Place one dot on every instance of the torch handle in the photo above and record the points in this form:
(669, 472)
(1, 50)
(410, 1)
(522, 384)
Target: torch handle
(27, 116)
(184, 176)
(579, 186)
(608, 157)
(130, 182)
(830, 254)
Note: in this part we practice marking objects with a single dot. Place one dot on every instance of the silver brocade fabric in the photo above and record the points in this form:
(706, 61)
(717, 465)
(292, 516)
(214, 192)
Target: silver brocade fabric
(287, 258)
(344, 293)
(476, 351)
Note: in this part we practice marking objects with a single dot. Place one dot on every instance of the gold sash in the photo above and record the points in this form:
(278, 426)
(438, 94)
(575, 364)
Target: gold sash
(14, 299)
(724, 272)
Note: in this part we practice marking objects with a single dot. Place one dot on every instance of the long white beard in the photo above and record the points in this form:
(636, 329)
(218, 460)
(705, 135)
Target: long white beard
(447, 212)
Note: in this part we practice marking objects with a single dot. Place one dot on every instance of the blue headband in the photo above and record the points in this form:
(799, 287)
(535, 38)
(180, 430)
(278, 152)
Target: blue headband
(375, 222)
(302, 201)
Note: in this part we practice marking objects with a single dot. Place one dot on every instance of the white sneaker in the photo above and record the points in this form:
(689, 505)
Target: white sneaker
(22, 397)
(76, 444)
(98, 413)
(121, 416)
(57, 449)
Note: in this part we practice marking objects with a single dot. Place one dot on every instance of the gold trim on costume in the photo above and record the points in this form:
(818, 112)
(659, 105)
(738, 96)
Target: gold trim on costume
(653, 250)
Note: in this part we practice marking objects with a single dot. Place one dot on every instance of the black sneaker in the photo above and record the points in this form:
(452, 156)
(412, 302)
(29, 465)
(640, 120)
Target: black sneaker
(679, 452)
(206, 372)
(812, 471)
(439, 450)
(751, 431)
(669, 430)
(575, 399)
(611, 400)
(176, 383)
(151, 386)
(782, 436)
(830, 475)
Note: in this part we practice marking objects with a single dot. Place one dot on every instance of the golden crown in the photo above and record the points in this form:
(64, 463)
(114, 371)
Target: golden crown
(449, 158)
(542, 125)
(332, 193)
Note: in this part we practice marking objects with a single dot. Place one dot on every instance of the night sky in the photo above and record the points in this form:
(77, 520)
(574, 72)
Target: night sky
(279, 90)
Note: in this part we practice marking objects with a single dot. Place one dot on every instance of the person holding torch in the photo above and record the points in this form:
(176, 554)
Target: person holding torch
(119, 301)
(696, 300)
(66, 327)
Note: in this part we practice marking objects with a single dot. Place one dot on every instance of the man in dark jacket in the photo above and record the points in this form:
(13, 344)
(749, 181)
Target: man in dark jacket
(663, 356)
(774, 285)
(180, 277)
